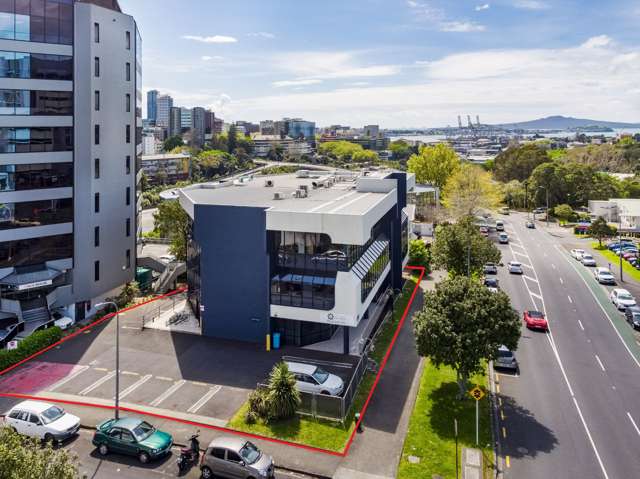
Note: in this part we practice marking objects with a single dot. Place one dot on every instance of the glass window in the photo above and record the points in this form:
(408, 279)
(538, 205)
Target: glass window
(96, 32)
(35, 213)
(128, 71)
(7, 102)
(127, 164)
(23, 28)
(128, 40)
(96, 270)
(37, 28)
(7, 62)
(232, 456)
(51, 67)
(96, 236)
(96, 100)
(96, 202)
(37, 7)
(96, 134)
(127, 100)
(35, 250)
(217, 453)
(96, 66)
(128, 196)
(127, 227)
(7, 25)
(36, 176)
(22, 6)
(128, 259)
(96, 168)
(127, 133)
(22, 66)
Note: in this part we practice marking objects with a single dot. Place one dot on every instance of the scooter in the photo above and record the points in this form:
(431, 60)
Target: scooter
(189, 456)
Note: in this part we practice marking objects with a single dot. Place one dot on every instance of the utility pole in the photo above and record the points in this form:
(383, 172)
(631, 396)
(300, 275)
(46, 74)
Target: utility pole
(620, 243)
(526, 197)
(117, 395)
(547, 188)
(455, 427)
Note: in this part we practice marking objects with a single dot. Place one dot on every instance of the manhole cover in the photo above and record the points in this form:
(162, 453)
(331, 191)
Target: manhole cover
(523, 450)
(413, 459)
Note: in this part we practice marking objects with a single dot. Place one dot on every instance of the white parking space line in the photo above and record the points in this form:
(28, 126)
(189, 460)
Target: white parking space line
(600, 363)
(129, 373)
(635, 426)
(203, 400)
(68, 378)
(163, 378)
(97, 384)
(580, 324)
(135, 385)
(527, 265)
(570, 300)
(167, 393)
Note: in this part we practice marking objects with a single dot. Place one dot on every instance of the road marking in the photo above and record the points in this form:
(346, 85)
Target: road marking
(508, 460)
(71, 376)
(520, 254)
(202, 401)
(600, 362)
(168, 392)
(553, 266)
(163, 378)
(570, 300)
(535, 295)
(129, 373)
(97, 384)
(135, 386)
(561, 282)
(502, 415)
(504, 432)
(529, 278)
(580, 324)
(198, 383)
(129, 327)
(518, 245)
(104, 370)
(635, 426)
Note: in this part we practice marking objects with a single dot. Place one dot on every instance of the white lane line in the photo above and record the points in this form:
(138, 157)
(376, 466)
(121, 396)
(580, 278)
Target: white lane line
(553, 266)
(518, 245)
(535, 295)
(68, 378)
(97, 384)
(135, 386)
(570, 300)
(129, 373)
(600, 363)
(167, 393)
(527, 265)
(635, 426)
(203, 400)
(521, 254)
(561, 282)
(529, 278)
(580, 324)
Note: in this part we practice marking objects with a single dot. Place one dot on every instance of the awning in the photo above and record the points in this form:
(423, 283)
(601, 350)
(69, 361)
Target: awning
(32, 280)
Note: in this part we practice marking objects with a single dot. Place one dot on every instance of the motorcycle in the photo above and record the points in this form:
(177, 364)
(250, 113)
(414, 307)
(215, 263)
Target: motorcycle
(189, 456)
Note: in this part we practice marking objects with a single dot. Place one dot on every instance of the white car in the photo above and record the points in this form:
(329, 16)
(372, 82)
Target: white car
(604, 276)
(503, 238)
(622, 299)
(64, 322)
(42, 420)
(499, 225)
(515, 267)
(315, 380)
(577, 253)
(167, 258)
(587, 259)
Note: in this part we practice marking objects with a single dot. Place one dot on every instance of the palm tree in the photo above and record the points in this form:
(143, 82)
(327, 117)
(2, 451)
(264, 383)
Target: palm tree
(283, 395)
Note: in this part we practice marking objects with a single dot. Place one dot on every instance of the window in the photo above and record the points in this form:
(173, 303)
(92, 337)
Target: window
(128, 40)
(128, 71)
(96, 202)
(127, 436)
(96, 134)
(35, 213)
(35, 250)
(96, 100)
(96, 270)
(96, 66)
(127, 134)
(127, 165)
(127, 102)
(128, 196)
(96, 236)
(26, 20)
(218, 453)
(96, 168)
(127, 227)
(34, 419)
(232, 456)
(35, 176)
(96, 32)
(128, 259)
(35, 102)
(35, 139)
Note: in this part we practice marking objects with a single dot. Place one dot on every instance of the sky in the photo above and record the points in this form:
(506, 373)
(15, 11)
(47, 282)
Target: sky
(396, 63)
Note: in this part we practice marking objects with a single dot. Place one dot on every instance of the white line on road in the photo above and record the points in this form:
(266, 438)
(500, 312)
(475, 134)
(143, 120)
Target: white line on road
(535, 295)
(71, 376)
(570, 300)
(135, 385)
(97, 384)
(517, 245)
(553, 266)
(634, 423)
(581, 326)
(561, 282)
(521, 254)
(202, 401)
(529, 278)
(600, 363)
(167, 393)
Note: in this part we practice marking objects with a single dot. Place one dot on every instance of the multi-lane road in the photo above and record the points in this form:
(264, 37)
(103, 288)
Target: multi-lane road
(573, 410)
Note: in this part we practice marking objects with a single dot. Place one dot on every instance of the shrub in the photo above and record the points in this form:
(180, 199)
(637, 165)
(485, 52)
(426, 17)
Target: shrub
(28, 346)
(258, 405)
(283, 396)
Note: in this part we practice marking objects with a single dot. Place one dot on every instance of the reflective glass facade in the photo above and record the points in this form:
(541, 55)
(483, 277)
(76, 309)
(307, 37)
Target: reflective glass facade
(35, 176)
(374, 273)
(36, 139)
(35, 250)
(35, 213)
(49, 21)
(38, 66)
(35, 102)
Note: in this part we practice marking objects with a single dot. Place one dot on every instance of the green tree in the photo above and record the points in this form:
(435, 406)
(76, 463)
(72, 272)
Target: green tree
(172, 142)
(600, 230)
(460, 249)
(232, 139)
(470, 190)
(22, 457)
(365, 156)
(173, 223)
(518, 162)
(514, 194)
(434, 165)
(282, 395)
(563, 212)
(419, 254)
(463, 324)
(400, 149)
(127, 294)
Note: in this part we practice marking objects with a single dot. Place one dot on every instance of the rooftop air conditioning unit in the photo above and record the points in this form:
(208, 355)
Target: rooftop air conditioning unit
(304, 187)
(278, 196)
(300, 194)
(268, 183)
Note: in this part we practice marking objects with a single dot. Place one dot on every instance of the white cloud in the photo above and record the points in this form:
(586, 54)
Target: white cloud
(598, 42)
(262, 35)
(461, 27)
(284, 83)
(479, 8)
(435, 16)
(207, 58)
(531, 5)
(211, 39)
(359, 83)
(330, 65)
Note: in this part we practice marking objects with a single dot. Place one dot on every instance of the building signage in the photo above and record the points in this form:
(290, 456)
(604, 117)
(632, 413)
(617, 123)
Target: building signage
(35, 284)
(338, 318)
(12, 345)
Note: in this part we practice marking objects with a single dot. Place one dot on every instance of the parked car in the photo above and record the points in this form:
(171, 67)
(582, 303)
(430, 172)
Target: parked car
(537, 211)
(506, 359)
(604, 276)
(490, 268)
(492, 284)
(504, 210)
(484, 231)
(577, 253)
(42, 420)
(133, 437)
(167, 258)
(499, 225)
(235, 457)
(535, 320)
(622, 299)
(587, 259)
(515, 267)
(64, 322)
(633, 316)
(503, 238)
(530, 224)
(312, 379)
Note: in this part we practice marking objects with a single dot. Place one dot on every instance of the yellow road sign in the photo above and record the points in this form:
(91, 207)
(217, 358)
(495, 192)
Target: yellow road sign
(477, 393)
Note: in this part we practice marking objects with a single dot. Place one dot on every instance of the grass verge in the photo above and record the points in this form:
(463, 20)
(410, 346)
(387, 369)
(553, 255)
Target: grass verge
(431, 430)
(328, 434)
(614, 259)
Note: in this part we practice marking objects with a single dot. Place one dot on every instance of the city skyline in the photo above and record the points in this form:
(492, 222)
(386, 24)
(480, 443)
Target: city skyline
(399, 64)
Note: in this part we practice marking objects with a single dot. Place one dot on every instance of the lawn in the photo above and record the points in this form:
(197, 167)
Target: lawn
(327, 434)
(431, 427)
(614, 259)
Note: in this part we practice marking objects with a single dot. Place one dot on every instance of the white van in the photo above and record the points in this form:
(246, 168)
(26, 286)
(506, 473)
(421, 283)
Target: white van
(499, 225)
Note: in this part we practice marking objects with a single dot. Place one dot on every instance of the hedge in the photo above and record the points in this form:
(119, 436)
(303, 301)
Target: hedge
(28, 346)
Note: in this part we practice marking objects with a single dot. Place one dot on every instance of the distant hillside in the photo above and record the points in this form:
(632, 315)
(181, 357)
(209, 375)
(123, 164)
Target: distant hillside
(564, 122)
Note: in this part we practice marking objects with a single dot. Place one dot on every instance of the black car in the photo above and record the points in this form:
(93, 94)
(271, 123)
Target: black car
(490, 268)
(633, 316)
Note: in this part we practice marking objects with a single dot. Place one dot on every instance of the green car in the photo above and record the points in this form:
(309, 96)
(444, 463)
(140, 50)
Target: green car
(133, 437)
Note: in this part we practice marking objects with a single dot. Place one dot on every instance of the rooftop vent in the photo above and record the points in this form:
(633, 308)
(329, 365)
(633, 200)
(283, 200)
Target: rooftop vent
(300, 193)
(278, 196)
(268, 183)
(304, 187)
(302, 173)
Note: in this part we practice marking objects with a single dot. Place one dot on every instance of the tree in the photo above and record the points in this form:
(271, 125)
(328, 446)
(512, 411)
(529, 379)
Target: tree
(518, 162)
(514, 194)
(172, 142)
(22, 457)
(460, 249)
(419, 254)
(365, 156)
(434, 165)
(128, 293)
(463, 324)
(400, 149)
(173, 223)
(282, 395)
(563, 212)
(600, 230)
(232, 139)
(470, 190)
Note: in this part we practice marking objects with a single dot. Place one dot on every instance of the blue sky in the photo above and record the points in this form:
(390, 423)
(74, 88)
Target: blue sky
(398, 63)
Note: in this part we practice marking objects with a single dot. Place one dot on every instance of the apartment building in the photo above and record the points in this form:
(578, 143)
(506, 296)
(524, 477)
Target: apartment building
(70, 123)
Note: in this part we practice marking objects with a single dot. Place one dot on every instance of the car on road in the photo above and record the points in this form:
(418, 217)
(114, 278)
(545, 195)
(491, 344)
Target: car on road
(506, 359)
(588, 260)
(535, 320)
(530, 224)
(633, 316)
(515, 267)
(490, 268)
(503, 238)
(577, 253)
(537, 211)
(492, 284)
(499, 225)
(504, 210)
(235, 457)
(484, 231)
(43, 421)
(132, 437)
(313, 379)
(622, 299)
(604, 276)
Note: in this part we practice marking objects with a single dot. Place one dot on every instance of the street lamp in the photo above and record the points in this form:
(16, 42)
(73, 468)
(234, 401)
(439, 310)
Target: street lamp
(101, 306)
(609, 208)
(546, 189)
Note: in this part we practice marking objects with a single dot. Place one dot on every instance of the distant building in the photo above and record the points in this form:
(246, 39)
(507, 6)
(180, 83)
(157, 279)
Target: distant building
(167, 168)
(152, 106)
(281, 127)
(378, 144)
(198, 126)
(164, 105)
(175, 122)
(217, 126)
(209, 118)
(248, 127)
(301, 129)
(267, 127)
(150, 145)
(263, 144)
(372, 131)
(185, 118)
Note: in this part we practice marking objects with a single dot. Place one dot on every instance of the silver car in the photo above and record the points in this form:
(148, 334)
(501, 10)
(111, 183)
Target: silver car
(506, 359)
(235, 457)
(515, 267)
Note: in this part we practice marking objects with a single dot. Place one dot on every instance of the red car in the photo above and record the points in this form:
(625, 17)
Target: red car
(535, 320)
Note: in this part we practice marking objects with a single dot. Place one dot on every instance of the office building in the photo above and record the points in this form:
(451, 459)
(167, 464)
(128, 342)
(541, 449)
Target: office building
(152, 106)
(267, 127)
(185, 118)
(372, 131)
(217, 126)
(151, 145)
(263, 144)
(165, 168)
(301, 129)
(309, 255)
(198, 126)
(248, 127)
(209, 118)
(164, 105)
(281, 127)
(71, 138)
(174, 128)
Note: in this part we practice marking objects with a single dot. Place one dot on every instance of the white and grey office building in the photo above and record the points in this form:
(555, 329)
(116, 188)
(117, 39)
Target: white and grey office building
(70, 123)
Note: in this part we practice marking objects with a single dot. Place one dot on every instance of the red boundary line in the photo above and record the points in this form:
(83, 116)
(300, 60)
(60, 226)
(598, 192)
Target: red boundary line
(343, 453)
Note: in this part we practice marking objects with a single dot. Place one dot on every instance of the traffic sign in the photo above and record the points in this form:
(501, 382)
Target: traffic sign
(477, 393)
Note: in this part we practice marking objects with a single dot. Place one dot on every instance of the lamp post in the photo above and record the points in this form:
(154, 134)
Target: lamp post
(546, 189)
(104, 305)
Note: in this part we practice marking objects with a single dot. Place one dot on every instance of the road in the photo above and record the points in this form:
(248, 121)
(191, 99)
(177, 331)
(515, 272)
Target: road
(573, 409)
